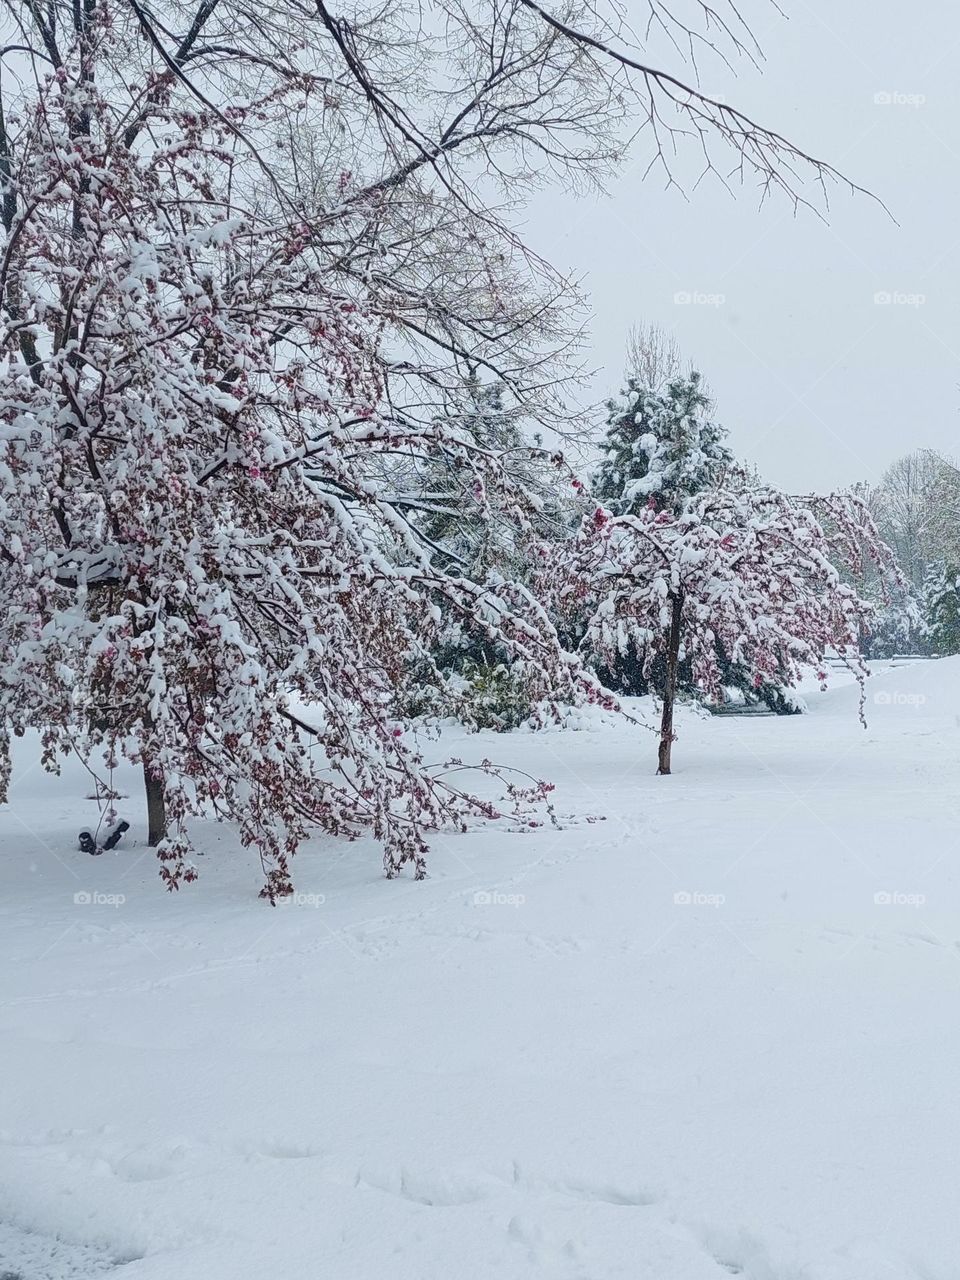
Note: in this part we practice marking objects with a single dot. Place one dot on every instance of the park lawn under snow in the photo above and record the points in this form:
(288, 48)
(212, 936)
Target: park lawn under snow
(686, 1042)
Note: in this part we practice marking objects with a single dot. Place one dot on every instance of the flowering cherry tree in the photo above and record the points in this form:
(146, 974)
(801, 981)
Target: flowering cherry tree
(200, 571)
(741, 569)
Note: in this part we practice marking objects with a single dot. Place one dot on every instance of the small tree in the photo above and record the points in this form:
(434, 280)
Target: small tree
(662, 446)
(743, 568)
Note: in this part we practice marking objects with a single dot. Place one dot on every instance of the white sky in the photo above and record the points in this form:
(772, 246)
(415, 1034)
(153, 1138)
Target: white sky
(818, 384)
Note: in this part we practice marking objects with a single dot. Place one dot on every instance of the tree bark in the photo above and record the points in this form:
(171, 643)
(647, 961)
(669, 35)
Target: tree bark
(156, 808)
(670, 685)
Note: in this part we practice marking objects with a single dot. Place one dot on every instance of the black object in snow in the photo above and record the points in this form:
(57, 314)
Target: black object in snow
(114, 836)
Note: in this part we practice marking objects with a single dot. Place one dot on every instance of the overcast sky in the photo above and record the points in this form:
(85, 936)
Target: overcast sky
(819, 384)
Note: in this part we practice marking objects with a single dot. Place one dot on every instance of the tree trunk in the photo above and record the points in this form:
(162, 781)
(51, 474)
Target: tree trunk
(156, 809)
(670, 685)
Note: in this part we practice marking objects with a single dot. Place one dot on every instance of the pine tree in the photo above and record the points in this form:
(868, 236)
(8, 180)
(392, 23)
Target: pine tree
(661, 447)
(482, 528)
(478, 527)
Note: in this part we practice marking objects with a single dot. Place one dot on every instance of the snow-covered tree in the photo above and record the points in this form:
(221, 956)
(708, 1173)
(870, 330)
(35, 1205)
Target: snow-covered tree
(941, 598)
(661, 446)
(743, 570)
(205, 563)
(899, 625)
(917, 508)
(476, 527)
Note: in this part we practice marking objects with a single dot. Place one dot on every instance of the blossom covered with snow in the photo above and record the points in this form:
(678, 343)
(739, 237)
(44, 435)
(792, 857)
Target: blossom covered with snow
(747, 571)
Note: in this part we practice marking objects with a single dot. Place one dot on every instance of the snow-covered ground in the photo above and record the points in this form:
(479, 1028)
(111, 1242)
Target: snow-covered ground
(715, 1034)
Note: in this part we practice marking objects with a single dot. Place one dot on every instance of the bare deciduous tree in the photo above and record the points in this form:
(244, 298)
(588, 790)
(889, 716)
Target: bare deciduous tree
(917, 507)
(653, 357)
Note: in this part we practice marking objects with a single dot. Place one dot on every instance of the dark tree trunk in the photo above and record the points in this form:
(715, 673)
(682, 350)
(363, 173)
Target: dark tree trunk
(156, 809)
(670, 685)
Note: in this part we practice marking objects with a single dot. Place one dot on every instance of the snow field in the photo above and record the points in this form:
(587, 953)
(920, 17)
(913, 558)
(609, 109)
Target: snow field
(711, 1035)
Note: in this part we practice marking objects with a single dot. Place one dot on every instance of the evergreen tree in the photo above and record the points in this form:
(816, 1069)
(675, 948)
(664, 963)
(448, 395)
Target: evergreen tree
(899, 625)
(479, 527)
(661, 447)
(941, 596)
